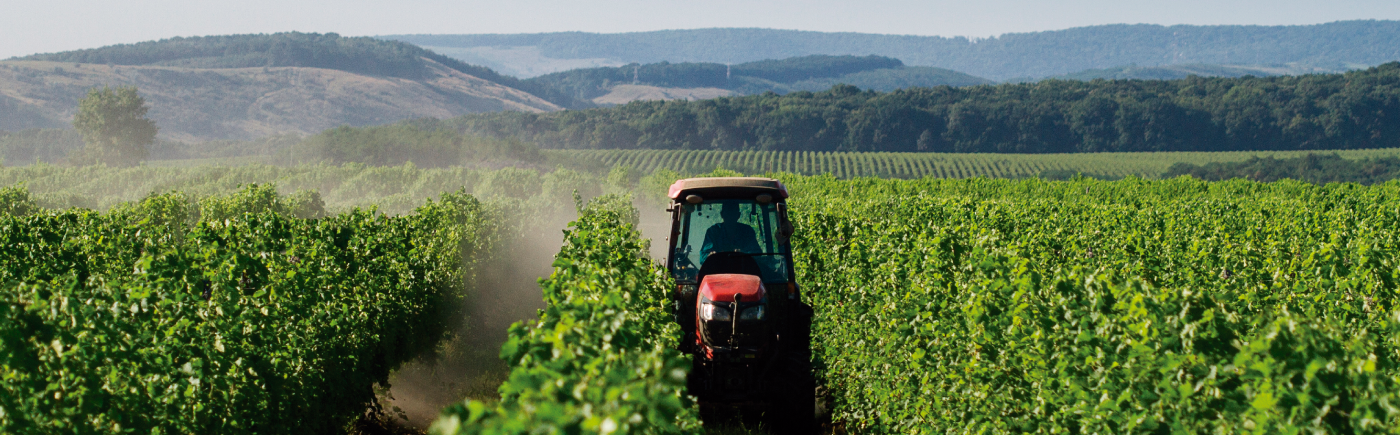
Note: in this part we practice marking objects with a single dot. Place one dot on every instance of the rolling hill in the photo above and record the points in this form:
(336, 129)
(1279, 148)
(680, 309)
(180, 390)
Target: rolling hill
(193, 104)
(668, 81)
(1330, 47)
(249, 86)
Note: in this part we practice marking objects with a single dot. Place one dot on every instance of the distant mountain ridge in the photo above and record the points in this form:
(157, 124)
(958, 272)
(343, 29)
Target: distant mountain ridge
(1335, 46)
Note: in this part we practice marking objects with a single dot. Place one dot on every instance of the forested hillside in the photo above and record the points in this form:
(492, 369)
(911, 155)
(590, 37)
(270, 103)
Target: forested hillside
(1359, 109)
(1181, 71)
(1332, 46)
(807, 73)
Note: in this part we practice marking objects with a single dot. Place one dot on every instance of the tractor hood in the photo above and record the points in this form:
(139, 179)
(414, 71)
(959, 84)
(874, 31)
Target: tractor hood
(723, 287)
(729, 330)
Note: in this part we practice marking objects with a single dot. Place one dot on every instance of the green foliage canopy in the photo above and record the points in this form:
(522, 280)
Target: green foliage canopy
(138, 320)
(424, 142)
(1179, 305)
(15, 201)
(39, 145)
(114, 126)
(1312, 168)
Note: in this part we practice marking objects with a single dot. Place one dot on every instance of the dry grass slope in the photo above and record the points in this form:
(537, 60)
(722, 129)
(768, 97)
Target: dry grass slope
(192, 104)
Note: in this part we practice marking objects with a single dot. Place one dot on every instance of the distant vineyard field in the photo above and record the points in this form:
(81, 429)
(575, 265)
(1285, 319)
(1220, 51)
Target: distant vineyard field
(919, 165)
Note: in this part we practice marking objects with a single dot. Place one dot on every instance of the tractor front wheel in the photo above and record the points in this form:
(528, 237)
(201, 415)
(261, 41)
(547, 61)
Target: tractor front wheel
(795, 406)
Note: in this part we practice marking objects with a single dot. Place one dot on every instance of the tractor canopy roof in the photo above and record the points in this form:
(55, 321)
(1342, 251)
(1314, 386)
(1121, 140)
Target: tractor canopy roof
(727, 187)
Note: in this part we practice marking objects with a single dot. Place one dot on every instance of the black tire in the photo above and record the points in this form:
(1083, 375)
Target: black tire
(695, 382)
(795, 405)
(712, 416)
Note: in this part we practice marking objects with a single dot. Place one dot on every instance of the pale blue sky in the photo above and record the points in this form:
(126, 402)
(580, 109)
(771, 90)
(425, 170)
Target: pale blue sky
(36, 26)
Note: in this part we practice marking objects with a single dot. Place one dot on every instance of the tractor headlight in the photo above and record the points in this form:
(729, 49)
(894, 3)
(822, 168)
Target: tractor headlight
(710, 312)
(752, 313)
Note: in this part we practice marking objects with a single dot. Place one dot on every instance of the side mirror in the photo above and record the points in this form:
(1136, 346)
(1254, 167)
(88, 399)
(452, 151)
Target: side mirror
(785, 225)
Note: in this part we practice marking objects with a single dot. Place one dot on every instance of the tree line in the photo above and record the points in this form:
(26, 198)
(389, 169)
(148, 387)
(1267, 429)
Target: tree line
(425, 142)
(817, 72)
(1359, 109)
(592, 82)
(1312, 168)
(110, 127)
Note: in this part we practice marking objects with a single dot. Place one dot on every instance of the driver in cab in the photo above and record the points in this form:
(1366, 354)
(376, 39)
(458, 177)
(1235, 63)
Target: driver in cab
(730, 235)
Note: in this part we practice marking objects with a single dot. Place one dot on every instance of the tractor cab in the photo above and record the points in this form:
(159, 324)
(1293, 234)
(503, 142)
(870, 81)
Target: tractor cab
(736, 298)
(730, 258)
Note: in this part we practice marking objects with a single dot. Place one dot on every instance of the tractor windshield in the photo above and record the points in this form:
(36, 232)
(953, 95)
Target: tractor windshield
(734, 229)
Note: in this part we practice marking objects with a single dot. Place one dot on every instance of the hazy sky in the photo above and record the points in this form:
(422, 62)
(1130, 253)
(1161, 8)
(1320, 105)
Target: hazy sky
(37, 26)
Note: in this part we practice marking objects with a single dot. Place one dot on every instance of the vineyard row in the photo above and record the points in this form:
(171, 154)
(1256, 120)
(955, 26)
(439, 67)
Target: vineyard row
(229, 315)
(919, 165)
(1103, 307)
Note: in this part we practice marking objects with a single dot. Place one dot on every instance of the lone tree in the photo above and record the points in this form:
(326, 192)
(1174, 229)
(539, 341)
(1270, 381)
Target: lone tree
(114, 126)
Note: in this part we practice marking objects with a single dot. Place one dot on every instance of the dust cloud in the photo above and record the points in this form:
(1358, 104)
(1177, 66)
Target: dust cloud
(655, 225)
(468, 365)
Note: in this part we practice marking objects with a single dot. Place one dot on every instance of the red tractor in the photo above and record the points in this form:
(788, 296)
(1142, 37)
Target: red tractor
(738, 302)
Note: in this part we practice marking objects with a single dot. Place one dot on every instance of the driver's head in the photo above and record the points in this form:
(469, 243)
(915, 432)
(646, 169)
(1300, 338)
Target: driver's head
(729, 212)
